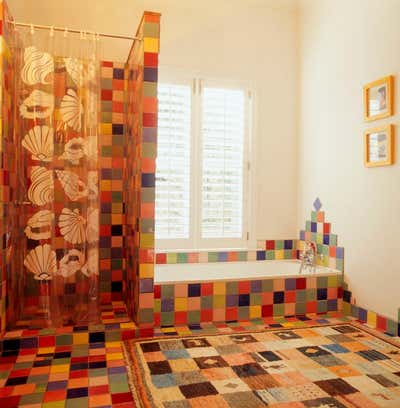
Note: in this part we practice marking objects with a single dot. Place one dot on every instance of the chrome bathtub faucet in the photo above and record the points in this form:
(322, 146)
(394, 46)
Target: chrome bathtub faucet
(308, 257)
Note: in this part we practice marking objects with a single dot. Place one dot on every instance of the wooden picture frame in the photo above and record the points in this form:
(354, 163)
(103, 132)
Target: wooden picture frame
(378, 98)
(379, 146)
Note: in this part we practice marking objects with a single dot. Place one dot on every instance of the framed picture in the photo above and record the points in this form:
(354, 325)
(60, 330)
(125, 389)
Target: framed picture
(378, 99)
(379, 146)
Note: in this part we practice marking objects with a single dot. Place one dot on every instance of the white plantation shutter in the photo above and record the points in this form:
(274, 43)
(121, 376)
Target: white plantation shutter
(223, 120)
(173, 162)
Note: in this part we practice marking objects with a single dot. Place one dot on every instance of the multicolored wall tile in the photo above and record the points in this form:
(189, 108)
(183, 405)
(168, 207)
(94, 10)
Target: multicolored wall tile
(319, 231)
(141, 150)
(112, 163)
(219, 301)
(267, 250)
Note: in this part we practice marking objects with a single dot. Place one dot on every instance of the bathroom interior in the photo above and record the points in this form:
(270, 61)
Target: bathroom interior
(199, 170)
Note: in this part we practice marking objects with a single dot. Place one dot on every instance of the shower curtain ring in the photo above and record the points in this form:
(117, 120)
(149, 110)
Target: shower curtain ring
(52, 31)
(32, 29)
(65, 32)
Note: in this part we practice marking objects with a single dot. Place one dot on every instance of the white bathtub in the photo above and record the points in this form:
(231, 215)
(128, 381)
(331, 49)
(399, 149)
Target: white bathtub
(212, 271)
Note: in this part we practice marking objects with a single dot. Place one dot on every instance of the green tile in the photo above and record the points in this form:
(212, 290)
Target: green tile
(243, 313)
(182, 257)
(339, 264)
(97, 372)
(106, 83)
(322, 306)
(279, 244)
(77, 402)
(106, 151)
(213, 257)
(288, 254)
(279, 310)
(55, 404)
(194, 316)
(322, 282)
(151, 30)
(80, 350)
(255, 299)
(311, 294)
(35, 398)
(38, 379)
(267, 285)
(313, 216)
(113, 335)
(150, 89)
(242, 256)
(300, 308)
(148, 194)
(157, 305)
(167, 291)
(116, 264)
(4, 374)
(146, 315)
(149, 150)
(308, 226)
(167, 318)
(346, 308)
(106, 117)
(332, 239)
(206, 302)
(300, 295)
(392, 327)
(269, 255)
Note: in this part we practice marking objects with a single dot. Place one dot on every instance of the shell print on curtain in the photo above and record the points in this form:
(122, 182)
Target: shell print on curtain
(58, 122)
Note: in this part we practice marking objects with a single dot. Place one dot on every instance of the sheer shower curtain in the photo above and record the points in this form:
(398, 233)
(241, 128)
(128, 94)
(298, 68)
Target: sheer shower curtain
(56, 256)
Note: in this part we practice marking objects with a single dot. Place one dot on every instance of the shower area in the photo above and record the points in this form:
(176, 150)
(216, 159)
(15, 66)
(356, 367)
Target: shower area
(78, 144)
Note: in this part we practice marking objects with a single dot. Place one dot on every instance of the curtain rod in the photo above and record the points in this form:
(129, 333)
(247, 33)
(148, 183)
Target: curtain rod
(68, 30)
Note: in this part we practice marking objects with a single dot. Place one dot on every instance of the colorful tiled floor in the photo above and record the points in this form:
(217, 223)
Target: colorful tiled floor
(67, 367)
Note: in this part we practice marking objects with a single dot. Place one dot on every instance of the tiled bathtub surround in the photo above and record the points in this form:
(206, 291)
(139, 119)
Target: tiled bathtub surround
(319, 231)
(191, 303)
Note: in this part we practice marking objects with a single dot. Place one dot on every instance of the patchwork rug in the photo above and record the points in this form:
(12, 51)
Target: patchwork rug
(327, 367)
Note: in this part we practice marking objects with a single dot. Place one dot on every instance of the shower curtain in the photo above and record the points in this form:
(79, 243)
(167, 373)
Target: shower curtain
(56, 256)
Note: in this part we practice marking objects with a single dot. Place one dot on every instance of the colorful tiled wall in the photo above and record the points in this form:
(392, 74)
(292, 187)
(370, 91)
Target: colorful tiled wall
(191, 303)
(268, 250)
(111, 167)
(375, 320)
(141, 150)
(319, 231)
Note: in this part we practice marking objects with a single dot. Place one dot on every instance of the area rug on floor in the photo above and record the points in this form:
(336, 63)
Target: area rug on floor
(331, 367)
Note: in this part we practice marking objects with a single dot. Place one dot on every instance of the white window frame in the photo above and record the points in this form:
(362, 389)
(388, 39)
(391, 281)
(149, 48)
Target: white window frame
(195, 241)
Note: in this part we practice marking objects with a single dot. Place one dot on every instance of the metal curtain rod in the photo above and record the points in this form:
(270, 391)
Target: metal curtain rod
(68, 30)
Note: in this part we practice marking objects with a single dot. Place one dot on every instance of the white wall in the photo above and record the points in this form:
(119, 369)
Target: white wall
(235, 39)
(345, 44)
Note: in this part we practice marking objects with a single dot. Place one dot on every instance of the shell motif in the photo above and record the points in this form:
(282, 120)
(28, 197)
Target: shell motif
(73, 187)
(72, 226)
(92, 227)
(92, 265)
(39, 141)
(71, 110)
(41, 261)
(74, 150)
(93, 179)
(39, 225)
(74, 68)
(38, 66)
(38, 105)
(71, 263)
(41, 190)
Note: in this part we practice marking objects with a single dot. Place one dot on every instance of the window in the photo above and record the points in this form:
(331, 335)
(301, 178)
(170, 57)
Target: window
(202, 171)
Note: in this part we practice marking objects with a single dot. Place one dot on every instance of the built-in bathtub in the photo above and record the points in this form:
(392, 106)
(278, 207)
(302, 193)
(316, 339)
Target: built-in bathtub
(234, 291)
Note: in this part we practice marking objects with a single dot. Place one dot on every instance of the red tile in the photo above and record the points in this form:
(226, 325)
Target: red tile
(206, 289)
(301, 283)
(149, 119)
(231, 313)
(161, 258)
(157, 291)
(381, 323)
(267, 310)
(290, 296)
(99, 389)
(327, 228)
(180, 318)
(150, 59)
(121, 397)
(244, 287)
(270, 245)
(106, 94)
(311, 307)
(206, 315)
(47, 341)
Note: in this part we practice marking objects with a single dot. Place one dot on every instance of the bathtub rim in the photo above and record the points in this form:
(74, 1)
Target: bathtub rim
(332, 272)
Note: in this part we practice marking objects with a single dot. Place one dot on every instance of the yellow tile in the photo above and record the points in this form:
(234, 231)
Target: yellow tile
(168, 329)
(110, 344)
(116, 218)
(106, 128)
(147, 240)
(181, 304)
(255, 311)
(114, 356)
(80, 338)
(280, 254)
(371, 319)
(128, 325)
(150, 44)
(105, 185)
(146, 270)
(219, 288)
(46, 350)
(62, 368)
